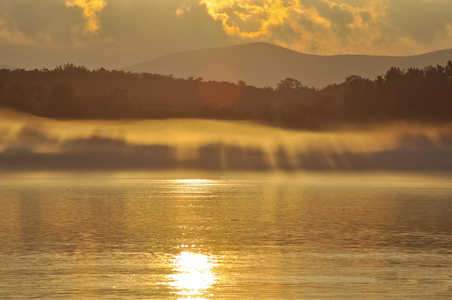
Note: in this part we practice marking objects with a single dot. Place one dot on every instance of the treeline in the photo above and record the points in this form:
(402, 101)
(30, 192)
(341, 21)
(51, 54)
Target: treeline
(74, 92)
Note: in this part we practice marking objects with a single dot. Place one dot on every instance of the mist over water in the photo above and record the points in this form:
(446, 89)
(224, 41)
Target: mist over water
(31, 143)
(150, 209)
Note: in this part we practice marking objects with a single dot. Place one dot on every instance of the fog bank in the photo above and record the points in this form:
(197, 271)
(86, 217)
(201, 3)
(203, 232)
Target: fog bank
(29, 143)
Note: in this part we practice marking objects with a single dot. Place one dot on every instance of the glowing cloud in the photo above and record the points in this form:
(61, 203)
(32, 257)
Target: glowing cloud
(90, 10)
(182, 9)
(258, 16)
(314, 26)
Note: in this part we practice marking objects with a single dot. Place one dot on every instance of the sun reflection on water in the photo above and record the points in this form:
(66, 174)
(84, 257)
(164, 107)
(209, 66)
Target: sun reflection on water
(193, 275)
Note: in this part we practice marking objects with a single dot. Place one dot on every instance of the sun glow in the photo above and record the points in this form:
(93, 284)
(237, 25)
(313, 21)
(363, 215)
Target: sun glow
(193, 276)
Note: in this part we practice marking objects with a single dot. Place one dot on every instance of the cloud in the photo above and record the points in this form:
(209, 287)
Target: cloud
(247, 18)
(11, 35)
(90, 10)
(182, 9)
(113, 34)
(339, 26)
(313, 26)
(29, 23)
(422, 21)
(36, 34)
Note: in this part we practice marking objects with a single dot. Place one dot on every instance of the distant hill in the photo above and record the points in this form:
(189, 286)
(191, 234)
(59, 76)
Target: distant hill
(263, 64)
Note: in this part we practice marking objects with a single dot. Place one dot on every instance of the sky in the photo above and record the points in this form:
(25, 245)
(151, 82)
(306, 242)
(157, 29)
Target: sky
(119, 33)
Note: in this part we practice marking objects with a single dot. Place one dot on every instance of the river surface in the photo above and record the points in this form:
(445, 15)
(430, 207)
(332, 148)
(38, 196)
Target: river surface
(221, 237)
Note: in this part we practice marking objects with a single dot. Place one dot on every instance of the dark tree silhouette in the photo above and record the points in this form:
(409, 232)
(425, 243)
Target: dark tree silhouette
(70, 91)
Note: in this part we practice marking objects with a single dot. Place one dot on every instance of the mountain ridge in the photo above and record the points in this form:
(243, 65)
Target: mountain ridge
(263, 64)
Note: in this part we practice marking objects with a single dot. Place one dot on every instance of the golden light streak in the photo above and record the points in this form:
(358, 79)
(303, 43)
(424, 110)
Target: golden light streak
(90, 10)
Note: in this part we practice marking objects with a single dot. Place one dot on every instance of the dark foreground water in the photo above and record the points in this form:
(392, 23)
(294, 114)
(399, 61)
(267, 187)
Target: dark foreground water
(289, 237)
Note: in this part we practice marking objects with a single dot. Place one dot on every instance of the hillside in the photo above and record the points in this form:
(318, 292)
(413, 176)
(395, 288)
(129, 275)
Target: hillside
(263, 64)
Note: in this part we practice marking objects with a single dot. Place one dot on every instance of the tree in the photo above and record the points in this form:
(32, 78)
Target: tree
(289, 83)
(62, 101)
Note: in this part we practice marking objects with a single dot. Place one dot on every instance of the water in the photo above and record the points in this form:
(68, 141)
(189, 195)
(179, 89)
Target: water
(290, 237)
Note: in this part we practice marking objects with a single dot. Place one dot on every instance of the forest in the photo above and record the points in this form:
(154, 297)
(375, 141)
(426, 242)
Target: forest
(74, 92)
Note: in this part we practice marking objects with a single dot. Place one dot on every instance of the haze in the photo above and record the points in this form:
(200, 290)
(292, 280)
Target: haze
(225, 149)
(31, 143)
(118, 33)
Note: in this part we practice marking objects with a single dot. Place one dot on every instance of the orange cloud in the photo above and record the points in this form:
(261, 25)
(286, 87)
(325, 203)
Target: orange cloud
(322, 26)
(235, 15)
(90, 10)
